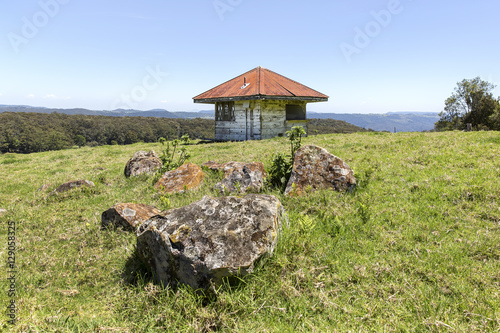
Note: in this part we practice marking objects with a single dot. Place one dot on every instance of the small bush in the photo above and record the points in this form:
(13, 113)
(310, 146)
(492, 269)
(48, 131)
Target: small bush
(172, 155)
(280, 171)
(281, 166)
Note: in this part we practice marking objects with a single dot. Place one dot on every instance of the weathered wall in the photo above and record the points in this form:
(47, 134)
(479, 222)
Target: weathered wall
(256, 120)
(246, 125)
(274, 121)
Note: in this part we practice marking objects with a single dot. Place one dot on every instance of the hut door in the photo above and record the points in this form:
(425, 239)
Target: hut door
(249, 124)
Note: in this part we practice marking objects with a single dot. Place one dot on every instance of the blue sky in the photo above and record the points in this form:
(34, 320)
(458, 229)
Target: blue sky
(368, 56)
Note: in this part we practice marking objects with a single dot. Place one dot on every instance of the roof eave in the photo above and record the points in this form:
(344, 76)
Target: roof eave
(260, 97)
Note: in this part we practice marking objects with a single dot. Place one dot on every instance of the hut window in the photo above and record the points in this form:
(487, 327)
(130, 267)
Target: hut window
(295, 112)
(224, 111)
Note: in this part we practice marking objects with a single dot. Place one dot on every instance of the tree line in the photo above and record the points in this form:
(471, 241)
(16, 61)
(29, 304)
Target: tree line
(472, 103)
(34, 132)
(22, 132)
(326, 126)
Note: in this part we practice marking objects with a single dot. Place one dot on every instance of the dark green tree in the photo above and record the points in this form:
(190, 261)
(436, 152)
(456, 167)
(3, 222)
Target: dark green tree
(80, 140)
(472, 102)
(495, 117)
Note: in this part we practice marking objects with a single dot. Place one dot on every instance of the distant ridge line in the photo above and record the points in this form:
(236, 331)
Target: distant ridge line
(402, 121)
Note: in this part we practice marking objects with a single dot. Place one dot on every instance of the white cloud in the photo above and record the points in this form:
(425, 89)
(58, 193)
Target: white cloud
(164, 102)
(1, 94)
(31, 96)
(52, 96)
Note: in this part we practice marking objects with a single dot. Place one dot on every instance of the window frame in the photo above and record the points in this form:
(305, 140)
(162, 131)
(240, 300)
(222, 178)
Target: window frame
(224, 111)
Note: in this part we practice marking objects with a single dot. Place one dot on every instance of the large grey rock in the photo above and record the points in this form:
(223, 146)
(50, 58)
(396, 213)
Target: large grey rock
(71, 185)
(213, 238)
(239, 177)
(143, 163)
(315, 168)
(127, 216)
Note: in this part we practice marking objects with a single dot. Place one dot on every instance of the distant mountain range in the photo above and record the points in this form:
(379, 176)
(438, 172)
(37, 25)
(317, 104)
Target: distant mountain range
(157, 113)
(392, 121)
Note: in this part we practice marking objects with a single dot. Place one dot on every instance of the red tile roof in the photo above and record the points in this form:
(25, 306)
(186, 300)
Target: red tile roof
(260, 83)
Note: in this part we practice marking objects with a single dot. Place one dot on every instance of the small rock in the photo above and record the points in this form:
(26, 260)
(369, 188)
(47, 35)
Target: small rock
(71, 185)
(229, 167)
(241, 181)
(3, 211)
(128, 216)
(210, 239)
(143, 162)
(245, 177)
(43, 187)
(187, 176)
(315, 168)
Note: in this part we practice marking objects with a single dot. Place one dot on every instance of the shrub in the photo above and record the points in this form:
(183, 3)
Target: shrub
(281, 166)
(172, 155)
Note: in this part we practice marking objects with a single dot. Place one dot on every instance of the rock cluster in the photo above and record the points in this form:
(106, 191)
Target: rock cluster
(127, 216)
(200, 244)
(143, 163)
(315, 168)
(215, 238)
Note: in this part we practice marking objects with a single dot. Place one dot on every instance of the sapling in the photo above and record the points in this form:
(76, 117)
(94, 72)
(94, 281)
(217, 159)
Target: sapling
(281, 166)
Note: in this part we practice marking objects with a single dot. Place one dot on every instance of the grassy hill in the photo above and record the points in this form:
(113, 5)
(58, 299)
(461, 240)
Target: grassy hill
(415, 248)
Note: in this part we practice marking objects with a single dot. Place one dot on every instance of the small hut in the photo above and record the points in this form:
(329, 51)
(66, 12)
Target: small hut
(259, 104)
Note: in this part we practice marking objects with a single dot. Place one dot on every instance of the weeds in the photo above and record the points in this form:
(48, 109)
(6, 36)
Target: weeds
(281, 166)
(172, 155)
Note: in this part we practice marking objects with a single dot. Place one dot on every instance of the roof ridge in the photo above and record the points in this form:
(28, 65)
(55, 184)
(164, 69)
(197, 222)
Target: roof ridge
(265, 82)
(293, 81)
(259, 85)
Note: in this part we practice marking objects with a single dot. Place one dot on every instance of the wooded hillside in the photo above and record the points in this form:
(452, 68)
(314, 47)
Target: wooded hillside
(34, 132)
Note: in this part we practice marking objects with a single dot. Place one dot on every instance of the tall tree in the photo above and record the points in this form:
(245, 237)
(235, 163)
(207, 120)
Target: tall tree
(495, 117)
(472, 102)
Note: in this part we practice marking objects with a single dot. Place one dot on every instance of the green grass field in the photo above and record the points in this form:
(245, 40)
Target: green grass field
(415, 248)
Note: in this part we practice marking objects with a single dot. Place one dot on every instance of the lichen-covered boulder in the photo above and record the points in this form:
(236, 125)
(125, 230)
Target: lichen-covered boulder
(127, 216)
(199, 244)
(187, 176)
(229, 167)
(241, 181)
(239, 177)
(143, 163)
(315, 168)
(71, 185)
